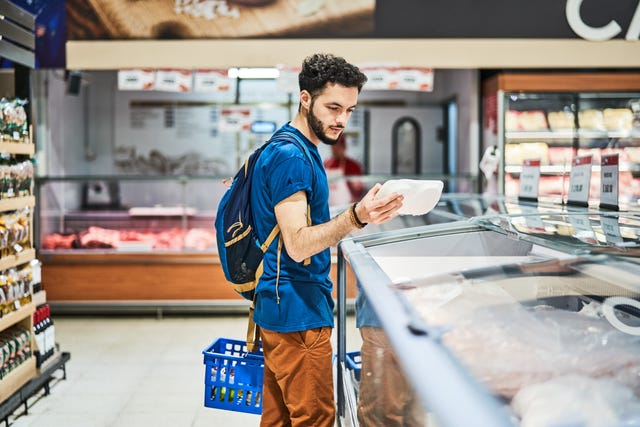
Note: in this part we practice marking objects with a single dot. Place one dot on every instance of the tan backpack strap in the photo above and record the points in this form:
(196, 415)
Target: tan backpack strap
(307, 261)
(270, 238)
(253, 331)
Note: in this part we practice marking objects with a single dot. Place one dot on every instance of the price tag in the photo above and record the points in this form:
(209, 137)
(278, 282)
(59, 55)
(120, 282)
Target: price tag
(136, 79)
(211, 81)
(583, 229)
(611, 230)
(174, 80)
(579, 180)
(529, 179)
(609, 181)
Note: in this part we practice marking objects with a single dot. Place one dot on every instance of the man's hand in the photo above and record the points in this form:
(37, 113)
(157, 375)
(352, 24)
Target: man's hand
(378, 211)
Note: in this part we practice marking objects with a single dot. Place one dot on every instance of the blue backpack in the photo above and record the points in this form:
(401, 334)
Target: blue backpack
(239, 248)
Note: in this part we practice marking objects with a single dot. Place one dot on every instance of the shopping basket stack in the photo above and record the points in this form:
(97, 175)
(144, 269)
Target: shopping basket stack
(233, 377)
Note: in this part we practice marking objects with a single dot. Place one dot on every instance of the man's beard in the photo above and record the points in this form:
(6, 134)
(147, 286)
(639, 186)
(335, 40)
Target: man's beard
(317, 127)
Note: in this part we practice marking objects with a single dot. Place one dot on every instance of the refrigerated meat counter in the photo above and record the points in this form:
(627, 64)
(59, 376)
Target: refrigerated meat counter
(498, 320)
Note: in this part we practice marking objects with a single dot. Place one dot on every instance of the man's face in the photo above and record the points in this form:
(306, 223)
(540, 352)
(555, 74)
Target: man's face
(330, 111)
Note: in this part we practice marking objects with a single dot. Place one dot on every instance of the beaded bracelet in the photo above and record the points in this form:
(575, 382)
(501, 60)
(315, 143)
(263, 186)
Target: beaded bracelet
(354, 217)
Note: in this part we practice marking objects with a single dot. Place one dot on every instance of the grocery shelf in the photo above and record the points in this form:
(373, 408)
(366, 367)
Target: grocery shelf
(17, 378)
(14, 317)
(33, 384)
(15, 203)
(13, 260)
(17, 148)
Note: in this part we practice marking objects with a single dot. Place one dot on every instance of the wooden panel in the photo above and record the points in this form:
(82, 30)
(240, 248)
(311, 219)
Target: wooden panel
(158, 19)
(433, 53)
(17, 378)
(119, 277)
(569, 82)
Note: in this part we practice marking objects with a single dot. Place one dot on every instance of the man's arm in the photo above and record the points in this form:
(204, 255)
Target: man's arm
(302, 241)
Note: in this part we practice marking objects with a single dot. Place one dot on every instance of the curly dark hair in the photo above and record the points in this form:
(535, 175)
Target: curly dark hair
(320, 69)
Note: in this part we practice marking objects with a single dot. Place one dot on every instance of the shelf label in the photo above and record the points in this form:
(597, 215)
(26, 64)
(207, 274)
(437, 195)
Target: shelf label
(207, 81)
(583, 230)
(579, 180)
(611, 230)
(609, 180)
(529, 179)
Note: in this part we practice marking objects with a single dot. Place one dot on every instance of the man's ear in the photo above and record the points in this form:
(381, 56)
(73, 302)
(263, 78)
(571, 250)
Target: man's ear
(305, 99)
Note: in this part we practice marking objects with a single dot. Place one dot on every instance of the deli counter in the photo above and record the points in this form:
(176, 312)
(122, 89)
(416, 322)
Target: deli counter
(147, 243)
(529, 319)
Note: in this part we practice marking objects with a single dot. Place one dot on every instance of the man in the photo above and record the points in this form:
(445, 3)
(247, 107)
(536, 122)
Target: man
(338, 166)
(294, 306)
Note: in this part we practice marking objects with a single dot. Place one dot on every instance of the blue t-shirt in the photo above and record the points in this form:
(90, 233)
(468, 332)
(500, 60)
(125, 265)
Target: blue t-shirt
(305, 302)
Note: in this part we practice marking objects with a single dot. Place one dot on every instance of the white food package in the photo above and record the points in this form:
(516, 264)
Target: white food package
(575, 400)
(420, 196)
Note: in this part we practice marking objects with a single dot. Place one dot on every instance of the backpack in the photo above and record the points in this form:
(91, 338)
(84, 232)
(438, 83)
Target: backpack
(239, 248)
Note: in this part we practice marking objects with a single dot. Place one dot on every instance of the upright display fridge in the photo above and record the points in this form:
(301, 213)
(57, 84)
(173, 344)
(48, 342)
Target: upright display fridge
(556, 117)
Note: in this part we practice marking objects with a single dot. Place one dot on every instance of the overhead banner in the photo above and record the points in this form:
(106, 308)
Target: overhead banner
(192, 19)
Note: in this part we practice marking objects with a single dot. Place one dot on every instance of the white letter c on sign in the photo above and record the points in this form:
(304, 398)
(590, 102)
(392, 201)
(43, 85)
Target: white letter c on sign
(576, 23)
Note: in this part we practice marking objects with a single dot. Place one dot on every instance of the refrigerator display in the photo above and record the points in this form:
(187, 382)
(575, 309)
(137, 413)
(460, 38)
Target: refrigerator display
(530, 318)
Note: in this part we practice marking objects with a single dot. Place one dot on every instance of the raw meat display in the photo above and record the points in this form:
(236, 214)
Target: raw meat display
(98, 237)
(508, 346)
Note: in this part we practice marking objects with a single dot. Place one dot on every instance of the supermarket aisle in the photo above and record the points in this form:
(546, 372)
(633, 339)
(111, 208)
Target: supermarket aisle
(134, 372)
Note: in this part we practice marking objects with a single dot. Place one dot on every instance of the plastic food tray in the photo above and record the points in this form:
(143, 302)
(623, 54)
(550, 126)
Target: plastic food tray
(233, 377)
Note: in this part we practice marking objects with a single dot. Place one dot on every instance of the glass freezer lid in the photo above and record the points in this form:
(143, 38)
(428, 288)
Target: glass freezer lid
(540, 328)
(530, 314)
(616, 233)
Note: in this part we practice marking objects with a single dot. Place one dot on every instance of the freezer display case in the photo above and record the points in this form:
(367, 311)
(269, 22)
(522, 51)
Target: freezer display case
(528, 319)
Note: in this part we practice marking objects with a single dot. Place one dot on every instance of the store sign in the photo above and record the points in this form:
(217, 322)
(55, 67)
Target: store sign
(398, 78)
(609, 181)
(529, 179)
(580, 180)
(606, 32)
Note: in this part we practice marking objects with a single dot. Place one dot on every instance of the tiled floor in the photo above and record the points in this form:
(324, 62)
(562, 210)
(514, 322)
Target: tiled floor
(134, 372)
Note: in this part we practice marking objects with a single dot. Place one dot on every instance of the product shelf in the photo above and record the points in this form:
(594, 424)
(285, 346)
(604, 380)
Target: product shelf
(14, 317)
(15, 203)
(17, 378)
(14, 260)
(17, 148)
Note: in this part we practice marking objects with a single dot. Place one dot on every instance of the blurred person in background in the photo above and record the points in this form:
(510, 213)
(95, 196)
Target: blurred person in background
(343, 191)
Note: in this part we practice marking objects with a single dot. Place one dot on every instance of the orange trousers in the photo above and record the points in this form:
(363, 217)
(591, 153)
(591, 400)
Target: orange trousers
(298, 379)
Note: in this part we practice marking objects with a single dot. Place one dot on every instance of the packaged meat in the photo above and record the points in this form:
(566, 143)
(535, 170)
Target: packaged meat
(511, 120)
(618, 119)
(508, 346)
(576, 400)
(533, 120)
(515, 154)
(561, 120)
(591, 119)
